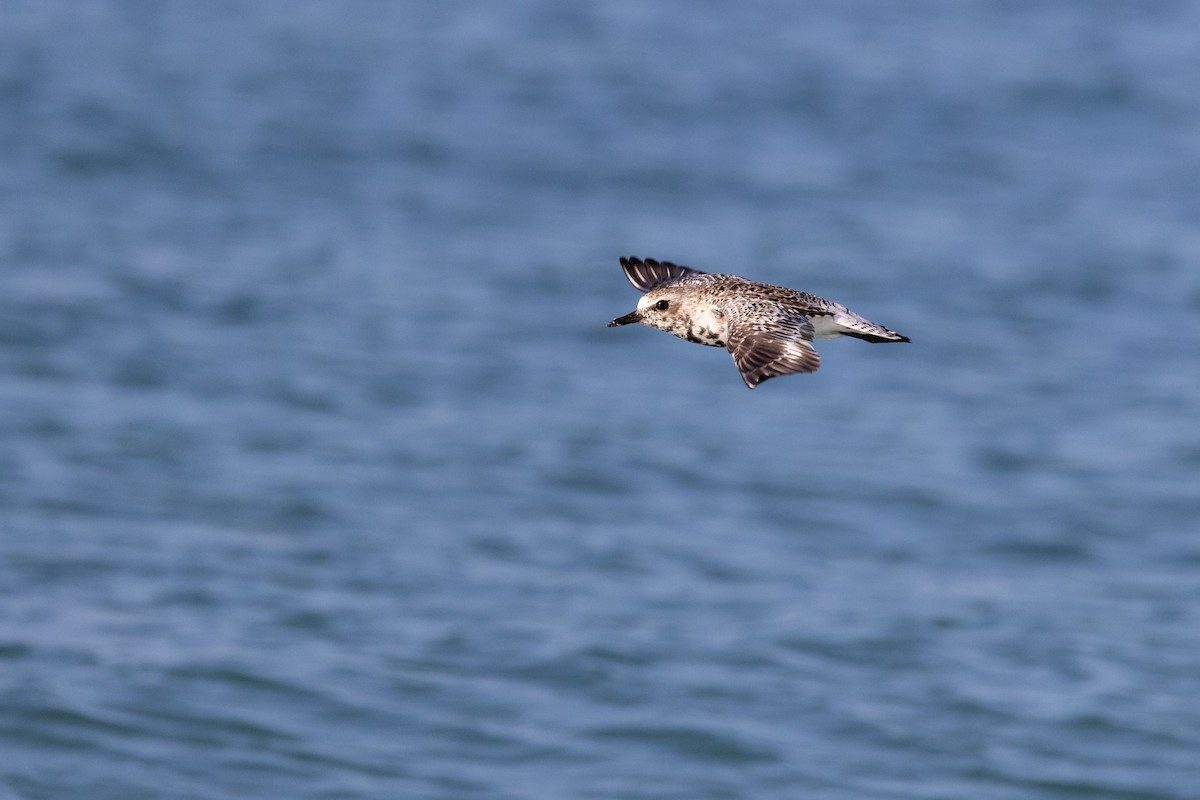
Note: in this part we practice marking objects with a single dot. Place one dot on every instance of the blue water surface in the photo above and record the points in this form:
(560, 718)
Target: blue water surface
(322, 477)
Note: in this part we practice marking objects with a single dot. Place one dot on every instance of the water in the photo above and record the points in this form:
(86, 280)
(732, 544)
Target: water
(322, 477)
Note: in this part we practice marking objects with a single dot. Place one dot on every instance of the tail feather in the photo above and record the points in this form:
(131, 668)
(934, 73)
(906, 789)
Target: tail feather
(891, 336)
(851, 324)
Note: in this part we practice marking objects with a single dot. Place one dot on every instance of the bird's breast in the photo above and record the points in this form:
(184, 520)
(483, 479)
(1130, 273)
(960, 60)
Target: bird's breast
(707, 325)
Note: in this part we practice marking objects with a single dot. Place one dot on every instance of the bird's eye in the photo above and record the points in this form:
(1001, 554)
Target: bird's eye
(661, 305)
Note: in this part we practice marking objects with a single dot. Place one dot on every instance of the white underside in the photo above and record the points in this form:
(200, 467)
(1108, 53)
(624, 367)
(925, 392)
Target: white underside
(825, 327)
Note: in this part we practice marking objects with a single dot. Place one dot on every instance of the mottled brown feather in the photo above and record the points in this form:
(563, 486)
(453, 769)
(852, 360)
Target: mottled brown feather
(761, 353)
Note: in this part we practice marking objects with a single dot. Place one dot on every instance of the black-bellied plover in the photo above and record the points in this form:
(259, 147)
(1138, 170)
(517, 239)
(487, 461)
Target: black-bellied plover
(768, 329)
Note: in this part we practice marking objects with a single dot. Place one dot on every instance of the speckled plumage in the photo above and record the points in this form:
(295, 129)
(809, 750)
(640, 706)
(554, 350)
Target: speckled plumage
(768, 329)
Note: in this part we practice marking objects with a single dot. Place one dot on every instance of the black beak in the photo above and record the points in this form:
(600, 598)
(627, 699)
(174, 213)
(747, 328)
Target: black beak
(628, 319)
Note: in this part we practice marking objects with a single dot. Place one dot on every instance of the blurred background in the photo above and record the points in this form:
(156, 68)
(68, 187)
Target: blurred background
(322, 477)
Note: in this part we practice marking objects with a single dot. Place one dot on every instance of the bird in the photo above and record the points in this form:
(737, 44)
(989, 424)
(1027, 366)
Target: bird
(769, 330)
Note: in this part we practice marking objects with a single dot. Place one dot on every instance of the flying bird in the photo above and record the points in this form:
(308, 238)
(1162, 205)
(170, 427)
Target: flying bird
(769, 330)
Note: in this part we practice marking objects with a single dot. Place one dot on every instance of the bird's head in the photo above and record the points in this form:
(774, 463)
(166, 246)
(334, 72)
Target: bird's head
(658, 308)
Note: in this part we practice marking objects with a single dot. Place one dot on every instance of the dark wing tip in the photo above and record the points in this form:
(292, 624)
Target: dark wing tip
(647, 273)
(875, 339)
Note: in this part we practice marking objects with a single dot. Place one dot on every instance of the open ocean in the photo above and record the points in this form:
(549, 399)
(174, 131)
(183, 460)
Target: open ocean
(322, 477)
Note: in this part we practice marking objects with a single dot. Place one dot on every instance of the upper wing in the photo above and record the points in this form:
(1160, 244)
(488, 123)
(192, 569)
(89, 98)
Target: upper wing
(763, 352)
(647, 274)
